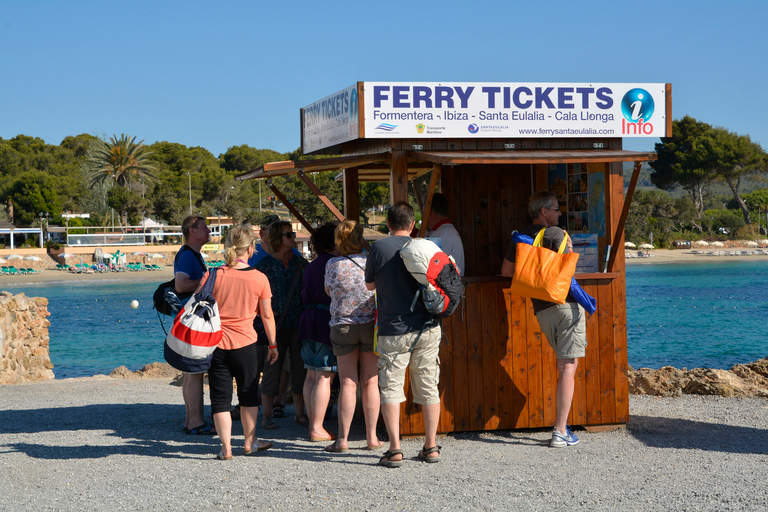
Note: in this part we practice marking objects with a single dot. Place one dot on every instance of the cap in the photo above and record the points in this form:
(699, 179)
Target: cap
(266, 221)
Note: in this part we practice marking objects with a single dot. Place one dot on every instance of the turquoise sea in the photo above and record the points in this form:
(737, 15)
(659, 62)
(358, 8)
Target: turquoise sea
(703, 314)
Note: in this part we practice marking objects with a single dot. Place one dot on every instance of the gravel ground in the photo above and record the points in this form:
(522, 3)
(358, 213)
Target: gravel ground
(105, 444)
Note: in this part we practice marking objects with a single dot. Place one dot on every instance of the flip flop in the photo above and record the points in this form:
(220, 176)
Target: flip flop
(322, 439)
(221, 456)
(206, 429)
(375, 447)
(257, 450)
(334, 448)
(386, 459)
(422, 456)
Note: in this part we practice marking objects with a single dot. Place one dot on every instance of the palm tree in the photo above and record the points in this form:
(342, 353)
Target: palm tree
(121, 159)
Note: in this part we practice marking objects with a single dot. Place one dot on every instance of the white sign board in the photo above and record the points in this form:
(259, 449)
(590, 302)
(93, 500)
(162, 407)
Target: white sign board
(519, 110)
(330, 121)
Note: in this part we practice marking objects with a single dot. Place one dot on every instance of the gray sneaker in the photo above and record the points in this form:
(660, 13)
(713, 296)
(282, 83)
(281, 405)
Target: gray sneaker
(561, 440)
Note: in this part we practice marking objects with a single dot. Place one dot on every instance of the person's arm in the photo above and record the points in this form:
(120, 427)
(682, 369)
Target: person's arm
(184, 284)
(268, 319)
(507, 268)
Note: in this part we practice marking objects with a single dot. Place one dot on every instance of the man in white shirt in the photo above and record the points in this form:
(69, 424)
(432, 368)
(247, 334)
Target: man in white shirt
(439, 226)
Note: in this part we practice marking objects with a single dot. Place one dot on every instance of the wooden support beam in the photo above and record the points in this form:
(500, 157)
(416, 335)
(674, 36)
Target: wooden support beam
(290, 207)
(618, 236)
(320, 195)
(425, 212)
(351, 191)
(398, 177)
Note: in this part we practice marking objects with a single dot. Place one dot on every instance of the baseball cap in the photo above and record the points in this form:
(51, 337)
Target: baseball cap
(266, 221)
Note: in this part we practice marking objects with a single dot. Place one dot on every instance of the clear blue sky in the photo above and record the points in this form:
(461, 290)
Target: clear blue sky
(219, 74)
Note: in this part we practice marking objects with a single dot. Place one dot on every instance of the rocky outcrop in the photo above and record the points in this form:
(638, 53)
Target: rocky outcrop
(150, 371)
(24, 339)
(742, 380)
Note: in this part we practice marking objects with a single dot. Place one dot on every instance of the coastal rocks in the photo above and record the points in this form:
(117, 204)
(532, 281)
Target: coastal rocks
(24, 339)
(150, 371)
(742, 380)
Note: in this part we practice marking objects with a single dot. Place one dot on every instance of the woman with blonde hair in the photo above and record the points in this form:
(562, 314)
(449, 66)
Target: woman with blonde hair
(352, 319)
(240, 292)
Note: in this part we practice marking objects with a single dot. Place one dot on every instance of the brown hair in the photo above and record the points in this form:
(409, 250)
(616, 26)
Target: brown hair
(349, 237)
(275, 234)
(189, 222)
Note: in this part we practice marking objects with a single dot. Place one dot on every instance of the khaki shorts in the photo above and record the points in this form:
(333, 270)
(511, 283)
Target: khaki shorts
(348, 337)
(397, 353)
(565, 327)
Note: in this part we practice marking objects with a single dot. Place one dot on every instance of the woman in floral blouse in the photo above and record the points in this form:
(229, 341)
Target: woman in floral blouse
(352, 320)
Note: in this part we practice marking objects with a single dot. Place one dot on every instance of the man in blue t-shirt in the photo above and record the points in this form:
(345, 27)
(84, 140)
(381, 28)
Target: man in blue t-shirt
(189, 269)
(407, 336)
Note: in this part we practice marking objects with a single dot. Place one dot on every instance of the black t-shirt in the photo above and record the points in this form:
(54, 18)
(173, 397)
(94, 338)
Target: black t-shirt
(395, 289)
(553, 237)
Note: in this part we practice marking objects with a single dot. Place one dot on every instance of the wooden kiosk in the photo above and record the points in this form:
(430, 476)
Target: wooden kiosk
(488, 147)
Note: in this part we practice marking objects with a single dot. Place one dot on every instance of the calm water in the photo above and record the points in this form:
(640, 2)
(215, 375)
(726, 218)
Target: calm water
(685, 315)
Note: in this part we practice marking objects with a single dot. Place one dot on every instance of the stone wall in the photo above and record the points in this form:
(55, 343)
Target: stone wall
(24, 339)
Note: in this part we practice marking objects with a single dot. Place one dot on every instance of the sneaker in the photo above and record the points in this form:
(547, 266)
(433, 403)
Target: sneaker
(560, 440)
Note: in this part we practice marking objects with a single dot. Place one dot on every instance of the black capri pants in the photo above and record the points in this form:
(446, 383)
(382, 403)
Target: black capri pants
(242, 364)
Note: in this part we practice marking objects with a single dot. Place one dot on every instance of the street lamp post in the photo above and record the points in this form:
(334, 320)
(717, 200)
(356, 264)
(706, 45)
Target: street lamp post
(189, 178)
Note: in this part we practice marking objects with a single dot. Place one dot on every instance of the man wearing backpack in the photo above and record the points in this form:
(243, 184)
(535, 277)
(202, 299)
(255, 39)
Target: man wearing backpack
(189, 269)
(407, 336)
(564, 325)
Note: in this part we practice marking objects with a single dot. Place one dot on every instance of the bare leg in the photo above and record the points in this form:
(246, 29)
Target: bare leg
(369, 377)
(309, 385)
(566, 368)
(431, 422)
(192, 390)
(318, 403)
(348, 394)
(391, 412)
(285, 381)
(223, 422)
(266, 402)
(249, 416)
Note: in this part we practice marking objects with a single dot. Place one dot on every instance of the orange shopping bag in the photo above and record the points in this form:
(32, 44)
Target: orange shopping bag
(541, 273)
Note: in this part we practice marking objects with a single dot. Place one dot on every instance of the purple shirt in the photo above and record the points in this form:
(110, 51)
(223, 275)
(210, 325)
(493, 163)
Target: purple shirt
(314, 322)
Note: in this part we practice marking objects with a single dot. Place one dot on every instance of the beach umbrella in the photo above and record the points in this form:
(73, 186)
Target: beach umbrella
(32, 258)
(156, 255)
(2, 260)
(646, 246)
(750, 244)
(105, 255)
(138, 253)
(13, 257)
(205, 256)
(717, 244)
(701, 243)
(67, 255)
(629, 245)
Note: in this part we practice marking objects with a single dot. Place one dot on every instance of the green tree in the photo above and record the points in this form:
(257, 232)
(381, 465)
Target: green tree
(734, 156)
(684, 161)
(372, 194)
(121, 159)
(33, 192)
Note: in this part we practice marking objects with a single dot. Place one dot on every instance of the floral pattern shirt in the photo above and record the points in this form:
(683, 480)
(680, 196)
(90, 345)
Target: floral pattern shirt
(351, 302)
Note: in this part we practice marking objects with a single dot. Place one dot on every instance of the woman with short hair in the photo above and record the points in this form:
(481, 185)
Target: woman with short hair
(240, 292)
(352, 321)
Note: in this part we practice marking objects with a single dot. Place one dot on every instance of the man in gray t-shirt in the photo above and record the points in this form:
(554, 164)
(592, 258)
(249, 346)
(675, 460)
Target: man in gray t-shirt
(564, 325)
(408, 336)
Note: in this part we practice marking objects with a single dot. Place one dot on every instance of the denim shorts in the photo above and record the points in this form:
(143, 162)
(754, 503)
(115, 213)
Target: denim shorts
(317, 356)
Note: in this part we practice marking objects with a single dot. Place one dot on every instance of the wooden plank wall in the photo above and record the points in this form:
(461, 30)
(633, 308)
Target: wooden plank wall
(497, 369)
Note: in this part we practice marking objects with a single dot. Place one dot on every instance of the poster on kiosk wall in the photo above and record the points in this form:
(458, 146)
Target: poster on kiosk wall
(518, 110)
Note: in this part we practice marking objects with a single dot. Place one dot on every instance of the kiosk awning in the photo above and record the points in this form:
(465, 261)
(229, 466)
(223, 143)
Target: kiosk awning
(376, 167)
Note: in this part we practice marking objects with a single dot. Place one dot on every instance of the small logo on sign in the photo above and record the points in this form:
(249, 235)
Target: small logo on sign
(386, 127)
(637, 104)
(473, 128)
(420, 128)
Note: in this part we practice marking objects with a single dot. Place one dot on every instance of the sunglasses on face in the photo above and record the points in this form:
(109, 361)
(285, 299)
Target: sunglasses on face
(290, 234)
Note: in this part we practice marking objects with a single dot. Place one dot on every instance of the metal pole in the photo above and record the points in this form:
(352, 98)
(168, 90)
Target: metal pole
(259, 196)
(189, 178)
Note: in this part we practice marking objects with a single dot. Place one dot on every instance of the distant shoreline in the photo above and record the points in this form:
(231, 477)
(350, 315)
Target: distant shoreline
(662, 256)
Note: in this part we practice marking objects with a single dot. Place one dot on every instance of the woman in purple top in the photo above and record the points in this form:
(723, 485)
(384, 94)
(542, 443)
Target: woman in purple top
(314, 334)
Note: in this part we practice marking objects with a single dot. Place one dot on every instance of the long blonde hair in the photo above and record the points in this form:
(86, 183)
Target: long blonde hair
(237, 243)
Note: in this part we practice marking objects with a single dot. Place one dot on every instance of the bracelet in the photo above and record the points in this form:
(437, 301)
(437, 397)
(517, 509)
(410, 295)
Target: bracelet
(272, 346)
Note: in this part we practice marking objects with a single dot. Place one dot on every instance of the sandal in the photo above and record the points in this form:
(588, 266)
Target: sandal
(267, 424)
(386, 459)
(266, 446)
(303, 421)
(221, 456)
(335, 448)
(422, 456)
(278, 411)
(206, 429)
